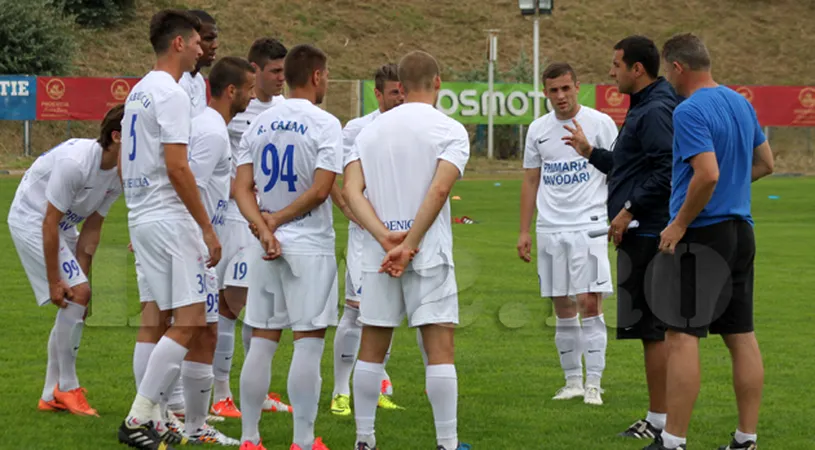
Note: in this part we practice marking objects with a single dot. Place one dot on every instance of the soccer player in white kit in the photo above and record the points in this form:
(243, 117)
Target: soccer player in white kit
(573, 269)
(193, 82)
(266, 56)
(292, 153)
(423, 152)
(349, 331)
(75, 181)
(170, 229)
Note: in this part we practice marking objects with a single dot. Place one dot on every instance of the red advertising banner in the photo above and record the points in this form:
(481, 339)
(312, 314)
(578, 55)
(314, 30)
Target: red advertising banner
(69, 98)
(612, 102)
(781, 106)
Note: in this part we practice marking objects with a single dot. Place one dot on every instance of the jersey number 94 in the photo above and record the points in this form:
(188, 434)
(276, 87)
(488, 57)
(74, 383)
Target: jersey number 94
(275, 168)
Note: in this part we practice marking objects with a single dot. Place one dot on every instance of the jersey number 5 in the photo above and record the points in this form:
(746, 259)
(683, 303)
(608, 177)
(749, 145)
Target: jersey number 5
(284, 169)
(132, 155)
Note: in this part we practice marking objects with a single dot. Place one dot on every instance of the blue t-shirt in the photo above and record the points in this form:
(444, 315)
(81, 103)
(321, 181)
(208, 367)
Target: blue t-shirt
(716, 120)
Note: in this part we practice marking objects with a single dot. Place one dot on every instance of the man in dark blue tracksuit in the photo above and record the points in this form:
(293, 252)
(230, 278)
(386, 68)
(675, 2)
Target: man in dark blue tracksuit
(639, 188)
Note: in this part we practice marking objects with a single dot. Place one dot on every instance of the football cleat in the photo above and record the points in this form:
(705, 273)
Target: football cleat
(209, 435)
(641, 429)
(363, 446)
(659, 445)
(385, 402)
(317, 445)
(460, 447)
(749, 445)
(341, 405)
(387, 387)
(226, 408)
(250, 446)
(141, 436)
(75, 401)
(50, 405)
(592, 396)
(273, 404)
(573, 389)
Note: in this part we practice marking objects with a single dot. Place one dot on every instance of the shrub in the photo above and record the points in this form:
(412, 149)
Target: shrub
(97, 13)
(35, 38)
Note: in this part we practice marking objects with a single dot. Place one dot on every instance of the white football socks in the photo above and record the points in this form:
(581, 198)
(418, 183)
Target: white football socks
(256, 375)
(246, 336)
(594, 339)
(367, 379)
(346, 348)
(52, 369)
(741, 438)
(304, 388)
(567, 341)
(68, 327)
(670, 441)
(442, 391)
(197, 379)
(163, 367)
(657, 419)
(141, 355)
(222, 361)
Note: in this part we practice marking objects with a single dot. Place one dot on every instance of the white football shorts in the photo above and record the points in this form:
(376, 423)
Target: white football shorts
(426, 296)
(353, 264)
(172, 261)
(211, 284)
(30, 250)
(297, 292)
(233, 269)
(571, 263)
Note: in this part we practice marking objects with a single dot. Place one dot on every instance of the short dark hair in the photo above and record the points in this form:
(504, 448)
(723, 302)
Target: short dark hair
(558, 69)
(266, 49)
(687, 49)
(388, 72)
(640, 49)
(167, 24)
(229, 70)
(301, 62)
(417, 70)
(203, 16)
(112, 122)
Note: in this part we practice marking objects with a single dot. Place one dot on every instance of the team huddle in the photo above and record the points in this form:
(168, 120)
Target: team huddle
(230, 211)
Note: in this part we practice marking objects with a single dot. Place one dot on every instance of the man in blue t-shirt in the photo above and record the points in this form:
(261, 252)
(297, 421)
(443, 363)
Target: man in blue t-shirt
(703, 278)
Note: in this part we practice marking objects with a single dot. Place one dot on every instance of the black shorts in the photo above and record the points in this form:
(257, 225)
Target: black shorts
(707, 284)
(635, 320)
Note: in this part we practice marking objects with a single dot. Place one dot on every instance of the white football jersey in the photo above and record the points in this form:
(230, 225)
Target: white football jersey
(399, 153)
(286, 144)
(236, 127)
(572, 193)
(67, 176)
(196, 88)
(349, 136)
(157, 112)
(211, 162)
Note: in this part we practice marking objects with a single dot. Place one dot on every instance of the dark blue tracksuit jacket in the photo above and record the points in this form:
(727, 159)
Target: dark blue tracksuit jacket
(639, 168)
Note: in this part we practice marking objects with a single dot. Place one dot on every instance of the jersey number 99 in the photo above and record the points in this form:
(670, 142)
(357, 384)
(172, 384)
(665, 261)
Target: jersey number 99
(276, 168)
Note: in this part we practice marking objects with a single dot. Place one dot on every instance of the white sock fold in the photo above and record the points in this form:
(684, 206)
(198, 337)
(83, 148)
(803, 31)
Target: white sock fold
(657, 419)
(256, 375)
(594, 339)
(367, 379)
(346, 348)
(69, 324)
(52, 369)
(442, 391)
(222, 361)
(141, 355)
(670, 441)
(304, 386)
(246, 336)
(741, 438)
(197, 379)
(567, 341)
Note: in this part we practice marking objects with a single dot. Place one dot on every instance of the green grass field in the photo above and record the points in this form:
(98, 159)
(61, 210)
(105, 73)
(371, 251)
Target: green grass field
(507, 364)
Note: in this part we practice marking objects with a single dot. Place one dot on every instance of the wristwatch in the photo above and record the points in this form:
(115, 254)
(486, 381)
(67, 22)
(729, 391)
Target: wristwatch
(627, 205)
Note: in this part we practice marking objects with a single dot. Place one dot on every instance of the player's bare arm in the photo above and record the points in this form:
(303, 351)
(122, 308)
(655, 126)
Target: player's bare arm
(700, 190)
(183, 181)
(353, 191)
(244, 190)
(397, 259)
(762, 161)
(337, 198)
(50, 242)
(529, 190)
(313, 197)
(88, 241)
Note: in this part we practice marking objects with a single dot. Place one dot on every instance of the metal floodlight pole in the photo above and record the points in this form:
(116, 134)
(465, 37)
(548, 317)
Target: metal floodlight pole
(493, 55)
(535, 8)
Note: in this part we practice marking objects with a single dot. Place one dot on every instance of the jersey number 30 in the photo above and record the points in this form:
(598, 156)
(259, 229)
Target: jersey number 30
(132, 155)
(276, 168)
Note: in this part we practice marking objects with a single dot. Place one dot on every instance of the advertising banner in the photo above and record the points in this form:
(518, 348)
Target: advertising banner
(69, 98)
(18, 97)
(468, 102)
(781, 106)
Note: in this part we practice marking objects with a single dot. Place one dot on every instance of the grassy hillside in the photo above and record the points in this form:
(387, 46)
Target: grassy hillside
(751, 41)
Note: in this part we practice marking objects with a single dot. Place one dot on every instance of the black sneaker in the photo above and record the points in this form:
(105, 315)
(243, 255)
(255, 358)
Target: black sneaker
(749, 445)
(659, 445)
(460, 447)
(141, 436)
(641, 429)
(363, 446)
